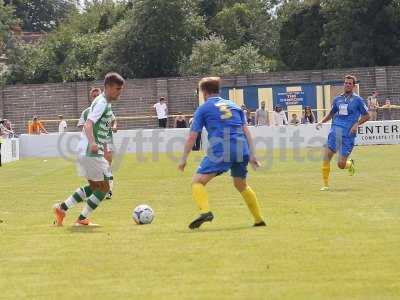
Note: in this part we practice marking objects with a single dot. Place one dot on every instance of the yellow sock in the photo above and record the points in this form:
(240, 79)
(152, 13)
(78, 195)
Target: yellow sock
(326, 168)
(348, 164)
(200, 197)
(252, 203)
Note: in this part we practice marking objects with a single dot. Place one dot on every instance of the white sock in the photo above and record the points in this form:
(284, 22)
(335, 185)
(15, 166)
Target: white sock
(111, 183)
(90, 205)
(76, 197)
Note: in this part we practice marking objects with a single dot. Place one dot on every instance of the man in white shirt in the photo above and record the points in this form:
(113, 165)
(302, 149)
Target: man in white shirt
(62, 126)
(279, 116)
(162, 112)
(261, 115)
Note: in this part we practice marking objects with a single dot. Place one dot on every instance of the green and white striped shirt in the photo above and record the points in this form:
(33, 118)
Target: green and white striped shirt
(100, 114)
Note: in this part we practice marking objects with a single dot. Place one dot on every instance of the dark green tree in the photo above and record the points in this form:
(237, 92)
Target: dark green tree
(71, 52)
(249, 21)
(209, 56)
(247, 59)
(41, 62)
(41, 15)
(233, 24)
(362, 33)
(97, 17)
(7, 21)
(153, 39)
(300, 38)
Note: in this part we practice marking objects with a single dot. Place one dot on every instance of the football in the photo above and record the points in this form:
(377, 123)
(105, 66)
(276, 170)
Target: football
(143, 214)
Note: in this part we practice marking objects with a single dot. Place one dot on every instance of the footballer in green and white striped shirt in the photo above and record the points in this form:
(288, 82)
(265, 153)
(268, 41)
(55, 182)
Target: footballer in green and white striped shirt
(91, 162)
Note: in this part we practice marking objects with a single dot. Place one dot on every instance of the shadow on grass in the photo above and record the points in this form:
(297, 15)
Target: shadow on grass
(345, 190)
(220, 229)
(84, 229)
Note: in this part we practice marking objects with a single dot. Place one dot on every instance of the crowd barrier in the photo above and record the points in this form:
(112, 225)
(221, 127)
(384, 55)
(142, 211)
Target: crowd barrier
(173, 140)
(9, 150)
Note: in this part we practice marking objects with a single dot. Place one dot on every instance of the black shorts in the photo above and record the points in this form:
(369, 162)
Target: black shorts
(162, 123)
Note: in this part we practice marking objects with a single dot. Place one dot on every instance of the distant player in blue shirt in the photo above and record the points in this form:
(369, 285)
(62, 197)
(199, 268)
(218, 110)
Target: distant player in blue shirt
(230, 148)
(348, 112)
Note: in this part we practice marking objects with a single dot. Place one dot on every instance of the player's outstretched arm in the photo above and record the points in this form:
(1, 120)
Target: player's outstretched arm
(327, 118)
(41, 127)
(362, 120)
(191, 140)
(253, 159)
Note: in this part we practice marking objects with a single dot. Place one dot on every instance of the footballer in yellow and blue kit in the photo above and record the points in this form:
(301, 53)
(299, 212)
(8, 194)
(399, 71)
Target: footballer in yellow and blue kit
(228, 147)
(347, 110)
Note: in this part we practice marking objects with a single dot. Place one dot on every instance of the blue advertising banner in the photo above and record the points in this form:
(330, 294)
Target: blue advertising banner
(291, 98)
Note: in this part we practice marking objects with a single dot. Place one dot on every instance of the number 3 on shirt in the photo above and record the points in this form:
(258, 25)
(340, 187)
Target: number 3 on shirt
(225, 111)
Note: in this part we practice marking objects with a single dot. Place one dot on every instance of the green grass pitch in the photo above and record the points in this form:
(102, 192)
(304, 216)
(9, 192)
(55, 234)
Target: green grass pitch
(343, 244)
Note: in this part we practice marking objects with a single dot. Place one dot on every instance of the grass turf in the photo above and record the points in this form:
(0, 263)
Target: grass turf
(342, 244)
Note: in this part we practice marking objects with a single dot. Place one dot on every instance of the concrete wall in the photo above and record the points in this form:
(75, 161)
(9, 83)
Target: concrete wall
(172, 140)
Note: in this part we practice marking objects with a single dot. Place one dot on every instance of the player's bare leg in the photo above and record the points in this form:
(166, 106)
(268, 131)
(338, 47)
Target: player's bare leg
(108, 157)
(345, 163)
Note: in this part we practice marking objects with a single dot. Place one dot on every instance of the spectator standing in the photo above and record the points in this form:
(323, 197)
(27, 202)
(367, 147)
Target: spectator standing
(373, 105)
(4, 131)
(308, 116)
(180, 121)
(197, 144)
(295, 120)
(249, 118)
(162, 112)
(279, 116)
(8, 125)
(261, 116)
(387, 109)
(62, 126)
(93, 94)
(36, 127)
(247, 114)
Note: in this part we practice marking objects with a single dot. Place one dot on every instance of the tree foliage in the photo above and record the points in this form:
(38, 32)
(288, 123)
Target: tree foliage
(153, 38)
(41, 15)
(336, 34)
(99, 16)
(247, 59)
(212, 56)
(7, 20)
(209, 56)
(362, 33)
(300, 38)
